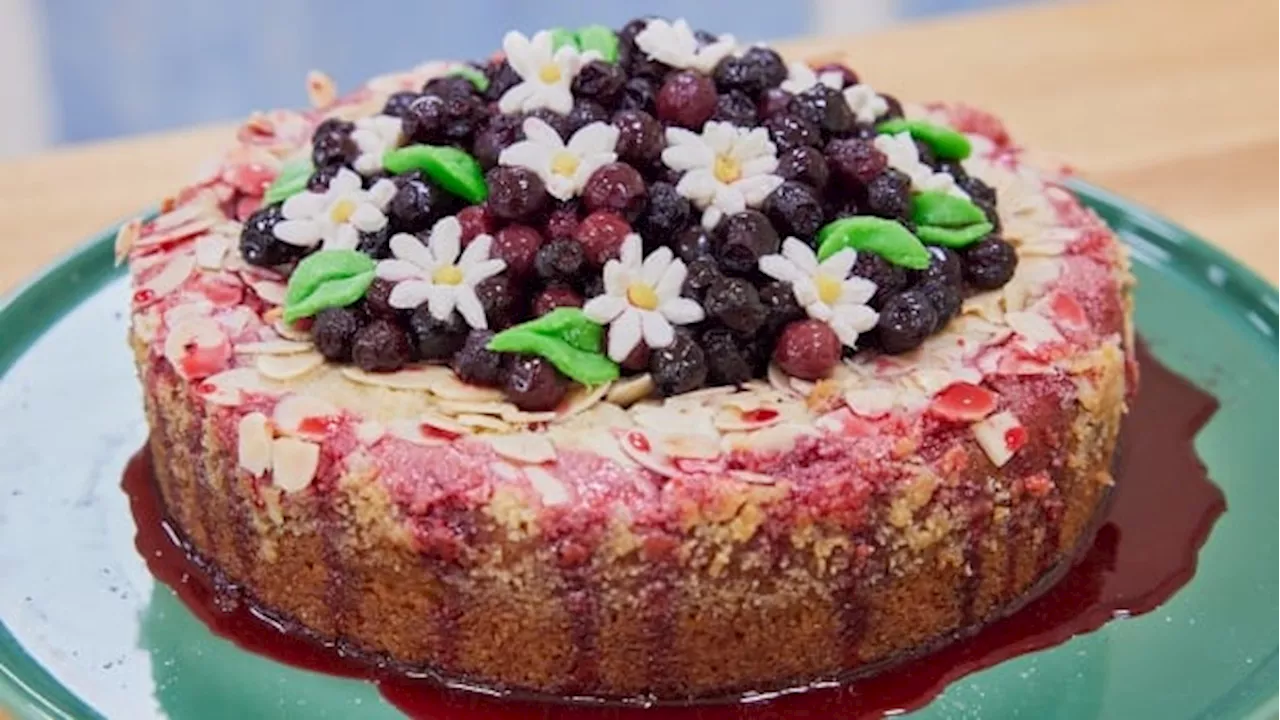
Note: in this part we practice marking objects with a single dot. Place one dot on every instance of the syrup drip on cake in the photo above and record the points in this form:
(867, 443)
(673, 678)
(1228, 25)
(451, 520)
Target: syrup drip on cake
(1163, 508)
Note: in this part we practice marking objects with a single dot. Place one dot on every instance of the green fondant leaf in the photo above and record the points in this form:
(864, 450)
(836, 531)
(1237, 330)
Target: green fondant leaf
(475, 75)
(947, 144)
(601, 39)
(561, 37)
(954, 237)
(588, 368)
(885, 238)
(291, 181)
(453, 169)
(327, 279)
(571, 325)
(944, 210)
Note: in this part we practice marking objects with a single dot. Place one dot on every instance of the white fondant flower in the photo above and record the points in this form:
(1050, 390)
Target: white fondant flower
(801, 77)
(641, 300)
(435, 274)
(727, 169)
(547, 76)
(374, 136)
(903, 155)
(336, 217)
(564, 169)
(865, 102)
(677, 46)
(826, 290)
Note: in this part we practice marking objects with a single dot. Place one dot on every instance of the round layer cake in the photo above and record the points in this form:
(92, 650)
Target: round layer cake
(634, 364)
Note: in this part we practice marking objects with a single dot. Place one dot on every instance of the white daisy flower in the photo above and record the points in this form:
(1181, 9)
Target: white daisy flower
(641, 300)
(564, 169)
(905, 156)
(865, 102)
(336, 217)
(727, 169)
(547, 76)
(826, 290)
(435, 274)
(801, 77)
(374, 136)
(675, 44)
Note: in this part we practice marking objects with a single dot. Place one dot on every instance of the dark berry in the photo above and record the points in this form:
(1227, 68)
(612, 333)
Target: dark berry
(640, 139)
(732, 73)
(533, 383)
(463, 114)
(742, 239)
(686, 99)
(449, 86)
(399, 102)
(736, 304)
(727, 363)
(333, 331)
(375, 243)
(905, 321)
(889, 194)
(560, 260)
(945, 299)
(679, 367)
(989, 264)
(847, 77)
(736, 107)
(320, 179)
(497, 135)
(502, 77)
(584, 113)
(562, 222)
(475, 362)
(794, 209)
(515, 193)
(895, 108)
(955, 170)
(425, 120)
(807, 349)
(637, 360)
(944, 266)
(888, 278)
(474, 220)
(501, 300)
(416, 205)
(381, 346)
(980, 192)
(804, 164)
(627, 35)
(331, 143)
(780, 306)
(517, 246)
(925, 152)
(437, 339)
(558, 122)
(639, 94)
(789, 131)
(826, 108)
(600, 81)
(376, 302)
(616, 187)
(703, 272)
(601, 234)
(774, 101)
(692, 243)
(765, 68)
(593, 285)
(667, 214)
(855, 160)
(258, 243)
(555, 296)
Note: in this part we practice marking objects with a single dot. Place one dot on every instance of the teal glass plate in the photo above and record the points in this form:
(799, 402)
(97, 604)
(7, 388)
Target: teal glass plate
(85, 631)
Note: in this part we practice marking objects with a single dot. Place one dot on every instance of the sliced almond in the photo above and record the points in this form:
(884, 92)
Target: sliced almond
(273, 347)
(305, 415)
(157, 236)
(450, 387)
(579, 399)
(754, 478)
(197, 347)
(293, 463)
(552, 491)
(734, 419)
(126, 236)
(253, 445)
(530, 448)
(420, 378)
(692, 446)
(1035, 328)
(595, 440)
(456, 407)
(629, 391)
(520, 417)
(202, 205)
(226, 388)
(146, 325)
(640, 447)
(185, 311)
(369, 432)
(775, 439)
(1000, 436)
(271, 291)
(321, 90)
(871, 401)
(211, 249)
(504, 470)
(781, 381)
(447, 427)
(482, 422)
(287, 330)
(170, 278)
(288, 367)
(416, 432)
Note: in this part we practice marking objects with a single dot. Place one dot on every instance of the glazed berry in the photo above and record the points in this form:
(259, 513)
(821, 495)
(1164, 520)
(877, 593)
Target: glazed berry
(500, 298)
(989, 264)
(502, 77)
(855, 161)
(555, 296)
(679, 367)
(889, 278)
(804, 164)
(517, 246)
(794, 209)
(515, 193)
(375, 243)
(743, 238)
(945, 299)
(766, 68)
(475, 363)
(601, 234)
(462, 115)
(399, 102)
(600, 81)
(616, 187)
(425, 120)
(703, 272)
(905, 321)
(807, 349)
(381, 346)
(692, 243)
(333, 331)
(639, 93)
(449, 86)
(727, 363)
(774, 101)
(474, 220)
(258, 243)
(560, 260)
(979, 192)
(376, 301)
(944, 266)
(436, 339)
(733, 73)
(736, 304)
(847, 77)
(627, 35)
(736, 107)
(640, 139)
(497, 135)
(533, 383)
(562, 222)
(789, 130)
(825, 107)
(668, 213)
(320, 179)
(637, 360)
(780, 306)
(895, 108)
(889, 194)
(331, 144)
(686, 99)
(418, 204)
(584, 113)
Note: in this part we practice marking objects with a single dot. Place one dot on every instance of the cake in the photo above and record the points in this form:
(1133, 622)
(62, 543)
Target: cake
(629, 365)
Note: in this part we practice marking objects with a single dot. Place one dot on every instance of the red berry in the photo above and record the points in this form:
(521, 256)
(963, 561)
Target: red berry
(475, 220)
(774, 101)
(637, 360)
(807, 349)
(556, 296)
(855, 160)
(562, 223)
(617, 187)
(517, 245)
(601, 234)
(640, 140)
(686, 99)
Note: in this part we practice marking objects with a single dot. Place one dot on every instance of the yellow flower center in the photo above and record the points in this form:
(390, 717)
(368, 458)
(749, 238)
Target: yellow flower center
(447, 275)
(828, 288)
(564, 163)
(642, 296)
(727, 169)
(342, 210)
(550, 73)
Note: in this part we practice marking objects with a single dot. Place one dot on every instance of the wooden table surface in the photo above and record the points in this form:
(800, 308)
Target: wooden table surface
(1172, 103)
